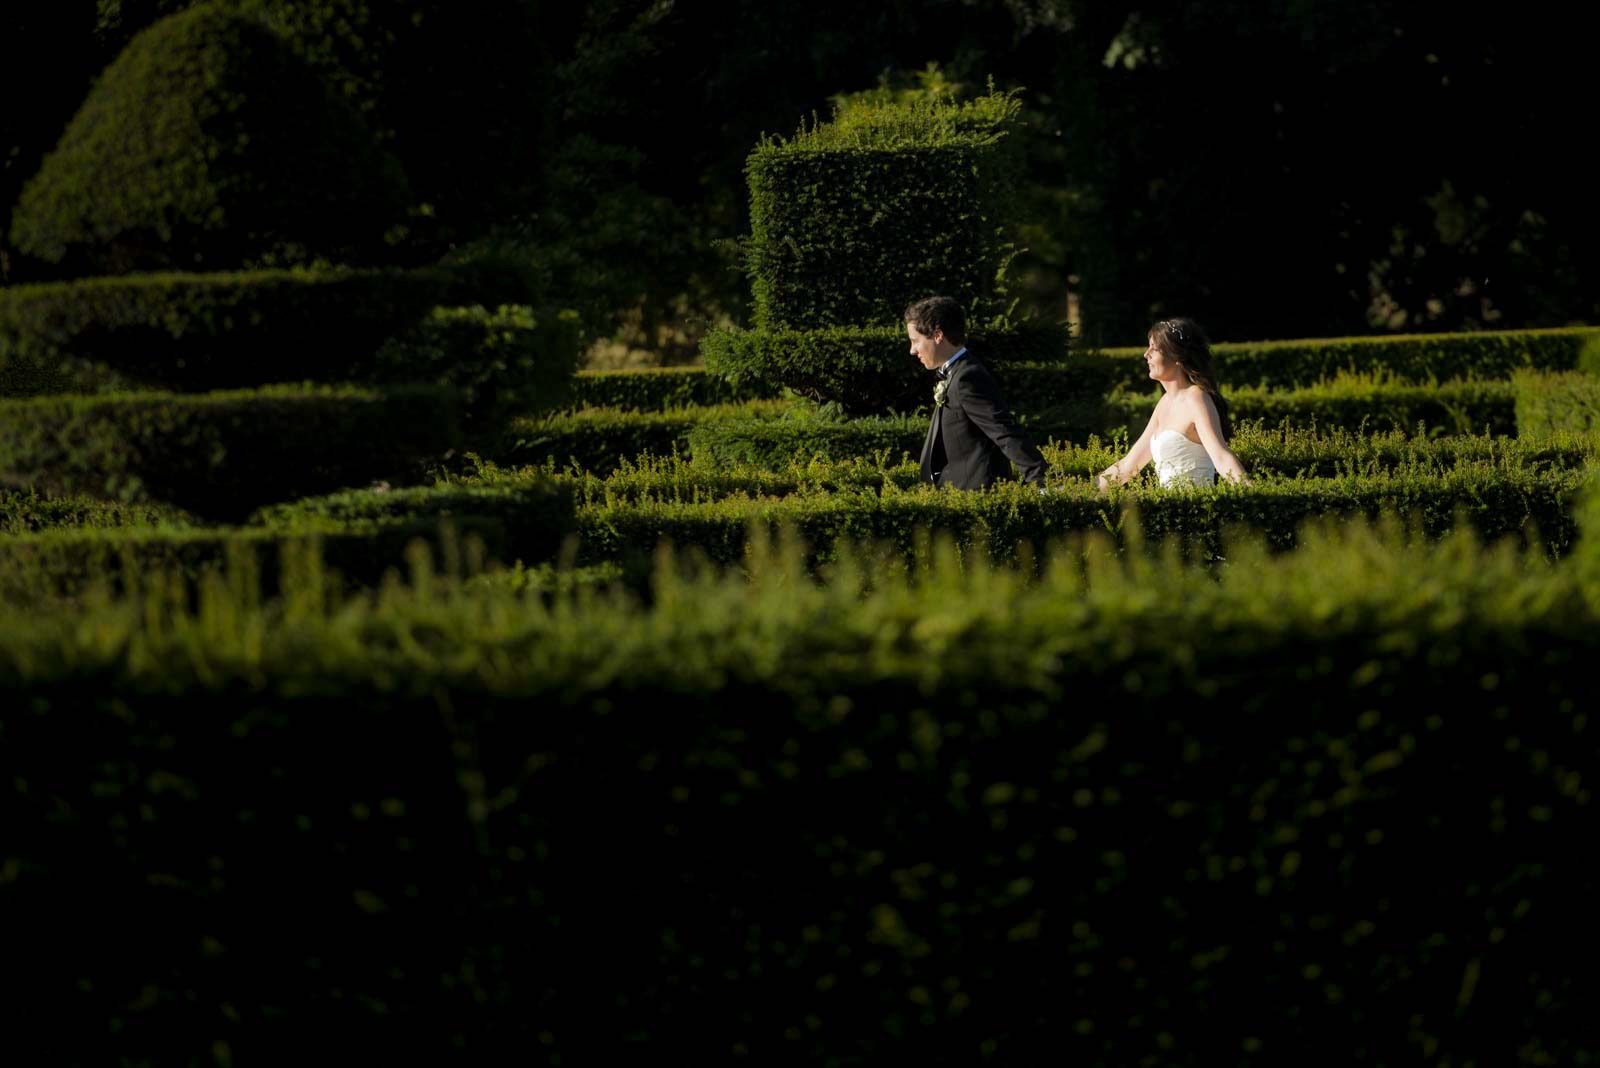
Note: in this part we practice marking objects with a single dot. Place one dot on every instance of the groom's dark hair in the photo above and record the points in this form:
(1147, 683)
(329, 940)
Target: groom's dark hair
(938, 313)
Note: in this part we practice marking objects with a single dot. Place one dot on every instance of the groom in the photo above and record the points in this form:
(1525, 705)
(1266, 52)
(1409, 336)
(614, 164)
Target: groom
(972, 440)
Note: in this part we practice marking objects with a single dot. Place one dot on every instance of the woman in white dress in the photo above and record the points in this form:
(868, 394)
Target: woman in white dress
(1187, 435)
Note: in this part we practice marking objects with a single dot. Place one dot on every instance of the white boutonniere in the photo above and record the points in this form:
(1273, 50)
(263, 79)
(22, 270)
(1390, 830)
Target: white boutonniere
(939, 391)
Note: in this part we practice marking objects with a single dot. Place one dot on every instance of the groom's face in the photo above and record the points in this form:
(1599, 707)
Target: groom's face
(931, 351)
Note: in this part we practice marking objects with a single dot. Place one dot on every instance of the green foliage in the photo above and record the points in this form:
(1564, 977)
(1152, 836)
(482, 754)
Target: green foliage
(679, 479)
(894, 200)
(468, 113)
(1279, 453)
(1410, 358)
(776, 432)
(777, 443)
(867, 369)
(1587, 558)
(598, 439)
(25, 511)
(604, 246)
(221, 455)
(72, 567)
(205, 331)
(503, 362)
(655, 389)
(532, 515)
(1043, 380)
(209, 145)
(1351, 401)
(1549, 402)
(1375, 743)
(883, 119)
(854, 219)
(1588, 359)
(1533, 504)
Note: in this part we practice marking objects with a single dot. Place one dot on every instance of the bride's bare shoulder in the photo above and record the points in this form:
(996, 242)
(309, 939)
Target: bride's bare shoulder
(1195, 399)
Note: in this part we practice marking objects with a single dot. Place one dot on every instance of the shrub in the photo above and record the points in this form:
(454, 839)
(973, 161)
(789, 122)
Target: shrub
(206, 331)
(1588, 358)
(533, 515)
(503, 362)
(25, 511)
(778, 443)
(222, 455)
(37, 569)
(1338, 780)
(660, 388)
(1495, 503)
(1351, 402)
(1280, 453)
(864, 370)
(207, 144)
(852, 220)
(1552, 401)
(598, 439)
(1407, 357)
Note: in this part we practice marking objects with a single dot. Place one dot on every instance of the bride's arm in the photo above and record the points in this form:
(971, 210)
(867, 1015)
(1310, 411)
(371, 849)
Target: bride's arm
(1134, 461)
(1209, 426)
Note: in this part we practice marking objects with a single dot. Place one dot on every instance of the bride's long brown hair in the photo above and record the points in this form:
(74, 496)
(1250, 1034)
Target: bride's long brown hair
(1185, 342)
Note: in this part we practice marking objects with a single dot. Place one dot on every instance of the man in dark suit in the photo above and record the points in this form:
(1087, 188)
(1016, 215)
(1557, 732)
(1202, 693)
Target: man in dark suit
(972, 439)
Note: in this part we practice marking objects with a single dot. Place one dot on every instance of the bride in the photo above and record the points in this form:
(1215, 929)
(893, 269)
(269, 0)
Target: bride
(1187, 435)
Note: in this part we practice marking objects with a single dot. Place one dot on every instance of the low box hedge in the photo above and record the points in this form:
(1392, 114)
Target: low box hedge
(1324, 807)
(222, 455)
(1549, 402)
(202, 332)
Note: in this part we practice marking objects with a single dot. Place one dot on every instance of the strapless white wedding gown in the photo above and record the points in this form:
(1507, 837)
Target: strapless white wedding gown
(1180, 460)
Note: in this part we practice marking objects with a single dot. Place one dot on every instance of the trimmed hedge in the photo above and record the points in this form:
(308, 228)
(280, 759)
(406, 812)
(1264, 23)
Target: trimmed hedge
(528, 518)
(42, 568)
(503, 362)
(532, 515)
(1330, 807)
(598, 439)
(222, 455)
(199, 332)
(1552, 402)
(1495, 502)
(25, 511)
(850, 222)
(777, 443)
(1409, 357)
(864, 370)
(206, 145)
(1043, 381)
(1028, 385)
(657, 389)
(775, 433)
(1278, 453)
(1354, 402)
(1588, 358)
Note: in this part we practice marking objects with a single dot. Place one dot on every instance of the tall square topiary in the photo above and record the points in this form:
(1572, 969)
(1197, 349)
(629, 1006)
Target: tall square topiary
(853, 219)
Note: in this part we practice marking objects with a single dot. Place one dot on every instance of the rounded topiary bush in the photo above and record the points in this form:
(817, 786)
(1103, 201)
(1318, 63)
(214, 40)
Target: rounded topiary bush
(207, 144)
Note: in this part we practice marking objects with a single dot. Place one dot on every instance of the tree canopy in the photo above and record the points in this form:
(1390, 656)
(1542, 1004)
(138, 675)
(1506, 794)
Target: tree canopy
(1275, 170)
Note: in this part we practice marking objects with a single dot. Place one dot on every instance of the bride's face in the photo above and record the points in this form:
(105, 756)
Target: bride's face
(1162, 366)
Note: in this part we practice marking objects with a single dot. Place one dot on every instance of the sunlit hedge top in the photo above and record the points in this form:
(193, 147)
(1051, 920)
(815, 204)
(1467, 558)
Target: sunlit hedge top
(881, 122)
(853, 219)
(207, 144)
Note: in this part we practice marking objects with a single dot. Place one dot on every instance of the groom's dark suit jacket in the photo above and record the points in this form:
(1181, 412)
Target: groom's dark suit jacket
(972, 439)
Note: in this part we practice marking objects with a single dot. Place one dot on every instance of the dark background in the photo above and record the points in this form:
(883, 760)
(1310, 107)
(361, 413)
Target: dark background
(1293, 168)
